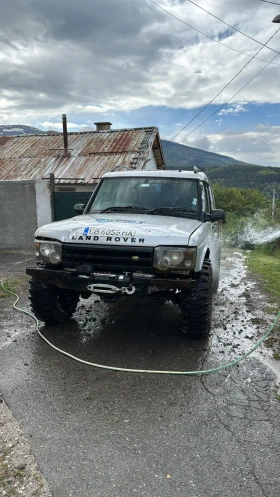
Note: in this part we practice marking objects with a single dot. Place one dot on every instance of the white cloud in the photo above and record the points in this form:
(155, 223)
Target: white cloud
(234, 109)
(48, 125)
(102, 58)
(257, 146)
(122, 55)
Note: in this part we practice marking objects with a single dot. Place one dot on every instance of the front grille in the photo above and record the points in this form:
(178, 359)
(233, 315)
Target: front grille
(105, 258)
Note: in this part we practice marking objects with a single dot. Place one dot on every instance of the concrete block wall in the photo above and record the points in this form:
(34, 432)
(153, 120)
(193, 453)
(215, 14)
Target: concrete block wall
(24, 206)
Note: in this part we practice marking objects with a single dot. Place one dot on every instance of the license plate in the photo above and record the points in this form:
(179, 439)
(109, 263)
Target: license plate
(112, 232)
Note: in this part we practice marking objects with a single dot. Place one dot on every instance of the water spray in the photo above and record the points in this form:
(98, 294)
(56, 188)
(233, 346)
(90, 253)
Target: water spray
(254, 232)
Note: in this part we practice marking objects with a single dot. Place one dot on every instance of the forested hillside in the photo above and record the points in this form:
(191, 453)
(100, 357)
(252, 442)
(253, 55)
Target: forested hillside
(261, 178)
(222, 169)
(183, 157)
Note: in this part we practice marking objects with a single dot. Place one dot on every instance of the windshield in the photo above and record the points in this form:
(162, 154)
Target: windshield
(147, 194)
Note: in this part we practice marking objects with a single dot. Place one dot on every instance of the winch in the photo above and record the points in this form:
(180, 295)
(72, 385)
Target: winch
(104, 288)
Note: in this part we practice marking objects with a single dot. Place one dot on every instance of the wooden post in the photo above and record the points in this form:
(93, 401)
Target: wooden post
(52, 190)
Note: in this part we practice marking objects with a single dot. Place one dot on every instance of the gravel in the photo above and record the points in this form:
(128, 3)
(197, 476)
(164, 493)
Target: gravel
(19, 472)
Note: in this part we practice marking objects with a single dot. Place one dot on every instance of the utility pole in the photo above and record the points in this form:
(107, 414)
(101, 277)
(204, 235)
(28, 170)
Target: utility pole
(277, 20)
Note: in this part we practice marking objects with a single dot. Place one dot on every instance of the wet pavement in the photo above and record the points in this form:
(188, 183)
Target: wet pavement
(98, 433)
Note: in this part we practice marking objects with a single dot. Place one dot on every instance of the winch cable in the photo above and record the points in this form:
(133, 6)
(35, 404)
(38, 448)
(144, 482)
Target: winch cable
(147, 371)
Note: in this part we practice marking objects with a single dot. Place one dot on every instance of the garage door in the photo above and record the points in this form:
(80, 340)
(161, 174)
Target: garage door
(64, 203)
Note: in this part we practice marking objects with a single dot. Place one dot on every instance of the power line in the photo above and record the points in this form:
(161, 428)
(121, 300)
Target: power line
(234, 77)
(207, 36)
(213, 15)
(270, 2)
(222, 106)
(252, 57)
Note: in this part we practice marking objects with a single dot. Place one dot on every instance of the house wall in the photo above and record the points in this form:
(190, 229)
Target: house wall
(25, 205)
(151, 164)
(43, 202)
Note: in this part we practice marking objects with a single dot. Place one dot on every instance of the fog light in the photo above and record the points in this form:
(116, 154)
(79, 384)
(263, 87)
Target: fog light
(37, 253)
(187, 263)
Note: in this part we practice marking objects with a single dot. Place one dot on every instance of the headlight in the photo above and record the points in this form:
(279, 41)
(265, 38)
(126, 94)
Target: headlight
(48, 251)
(176, 259)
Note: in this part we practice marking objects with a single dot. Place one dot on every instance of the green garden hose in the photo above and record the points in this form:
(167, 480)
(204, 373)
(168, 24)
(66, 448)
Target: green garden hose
(128, 370)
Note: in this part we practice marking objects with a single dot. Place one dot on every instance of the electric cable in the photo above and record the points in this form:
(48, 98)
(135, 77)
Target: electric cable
(238, 31)
(207, 36)
(270, 2)
(142, 371)
(222, 106)
(232, 79)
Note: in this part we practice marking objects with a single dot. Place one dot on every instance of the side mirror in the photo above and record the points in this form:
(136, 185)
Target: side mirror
(79, 208)
(217, 215)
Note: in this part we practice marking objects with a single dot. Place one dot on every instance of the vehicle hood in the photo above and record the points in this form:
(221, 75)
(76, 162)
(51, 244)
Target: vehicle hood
(122, 229)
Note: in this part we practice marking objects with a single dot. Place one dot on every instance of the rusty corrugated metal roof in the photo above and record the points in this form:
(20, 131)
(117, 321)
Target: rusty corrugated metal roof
(91, 154)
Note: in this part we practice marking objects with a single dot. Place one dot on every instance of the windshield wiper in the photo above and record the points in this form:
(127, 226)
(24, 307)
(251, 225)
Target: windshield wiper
(167, 209)
(125, 208)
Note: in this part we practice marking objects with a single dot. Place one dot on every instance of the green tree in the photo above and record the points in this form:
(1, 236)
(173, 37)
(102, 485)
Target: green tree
(243, 202)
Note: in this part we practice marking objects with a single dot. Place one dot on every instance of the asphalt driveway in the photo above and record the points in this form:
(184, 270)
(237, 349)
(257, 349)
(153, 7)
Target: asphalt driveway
(97, 433)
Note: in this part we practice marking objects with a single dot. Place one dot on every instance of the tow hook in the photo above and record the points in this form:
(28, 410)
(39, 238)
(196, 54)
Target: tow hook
(104, 288)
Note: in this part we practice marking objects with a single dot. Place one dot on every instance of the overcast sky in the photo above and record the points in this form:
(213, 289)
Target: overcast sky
(128, 62)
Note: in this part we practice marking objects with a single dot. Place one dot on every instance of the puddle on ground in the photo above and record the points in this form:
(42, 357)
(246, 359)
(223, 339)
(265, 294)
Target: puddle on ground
(142, 334)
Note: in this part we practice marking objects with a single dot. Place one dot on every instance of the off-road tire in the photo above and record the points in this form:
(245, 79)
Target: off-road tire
(51, 304)
(196, 305)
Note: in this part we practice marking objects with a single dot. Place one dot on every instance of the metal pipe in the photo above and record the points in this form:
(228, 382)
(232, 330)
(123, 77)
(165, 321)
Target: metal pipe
(65, 136)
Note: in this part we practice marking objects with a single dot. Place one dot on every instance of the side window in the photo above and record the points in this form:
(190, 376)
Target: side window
(202, 197)
(211, 198)
(206, 206)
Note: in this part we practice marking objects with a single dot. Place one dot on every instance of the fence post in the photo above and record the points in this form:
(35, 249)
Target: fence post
(52, 190)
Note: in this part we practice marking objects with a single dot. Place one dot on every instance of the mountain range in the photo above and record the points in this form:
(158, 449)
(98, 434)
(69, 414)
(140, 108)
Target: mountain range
(222, 169)
(179, 156)
(18, 129)
(219, 168)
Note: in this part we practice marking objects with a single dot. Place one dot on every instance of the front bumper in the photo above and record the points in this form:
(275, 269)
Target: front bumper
(72, 281)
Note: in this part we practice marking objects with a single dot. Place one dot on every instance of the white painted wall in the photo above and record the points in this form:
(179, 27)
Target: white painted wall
(43, 202)
(151, 164)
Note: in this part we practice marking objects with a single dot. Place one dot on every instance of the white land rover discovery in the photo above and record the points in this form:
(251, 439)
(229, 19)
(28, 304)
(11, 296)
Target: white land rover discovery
(152, 234)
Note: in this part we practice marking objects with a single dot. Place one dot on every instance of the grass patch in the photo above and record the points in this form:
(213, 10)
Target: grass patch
(8, 478)
(9, 285)
(267, 266)
(276, 393)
